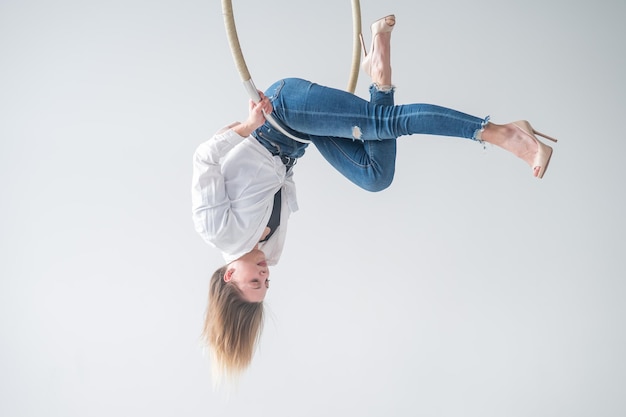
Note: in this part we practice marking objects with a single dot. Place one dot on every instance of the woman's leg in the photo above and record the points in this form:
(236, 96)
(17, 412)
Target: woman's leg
(368, 164)
(312, 109)
(322, 111)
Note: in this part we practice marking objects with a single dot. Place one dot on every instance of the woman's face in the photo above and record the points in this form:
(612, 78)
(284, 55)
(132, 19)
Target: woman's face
(251, 275)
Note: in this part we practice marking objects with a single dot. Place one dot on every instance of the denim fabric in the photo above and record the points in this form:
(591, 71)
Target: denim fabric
(357, 137)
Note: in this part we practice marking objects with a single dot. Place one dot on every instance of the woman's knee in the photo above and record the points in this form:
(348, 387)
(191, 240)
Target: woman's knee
(377, 182)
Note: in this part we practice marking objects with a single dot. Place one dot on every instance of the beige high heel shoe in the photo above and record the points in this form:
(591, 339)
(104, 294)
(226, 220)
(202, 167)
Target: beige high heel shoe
(544, 152)
(384, 25)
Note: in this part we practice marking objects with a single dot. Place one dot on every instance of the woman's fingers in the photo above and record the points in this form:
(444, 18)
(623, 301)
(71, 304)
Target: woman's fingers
(264, 105)
(265, 102)
(267, 105)
(256, 117)
(256, 107)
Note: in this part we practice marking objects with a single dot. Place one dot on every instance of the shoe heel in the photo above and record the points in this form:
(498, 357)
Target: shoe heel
(544, 136)
(363, 45)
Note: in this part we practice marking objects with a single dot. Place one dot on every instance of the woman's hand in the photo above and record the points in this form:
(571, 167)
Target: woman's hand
(255, 116)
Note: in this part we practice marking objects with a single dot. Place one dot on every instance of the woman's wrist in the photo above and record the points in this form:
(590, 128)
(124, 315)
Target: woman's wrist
(243, 129)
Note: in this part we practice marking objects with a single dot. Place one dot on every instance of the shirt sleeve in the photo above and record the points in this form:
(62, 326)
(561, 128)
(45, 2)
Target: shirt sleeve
(210, 202)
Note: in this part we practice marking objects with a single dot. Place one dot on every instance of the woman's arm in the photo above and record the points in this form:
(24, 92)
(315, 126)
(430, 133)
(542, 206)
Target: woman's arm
(255, 116)
(210, 201)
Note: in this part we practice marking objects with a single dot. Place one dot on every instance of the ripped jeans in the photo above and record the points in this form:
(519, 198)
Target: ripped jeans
(355, 136)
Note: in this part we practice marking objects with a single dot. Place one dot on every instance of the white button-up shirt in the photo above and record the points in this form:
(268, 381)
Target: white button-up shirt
(233, 186)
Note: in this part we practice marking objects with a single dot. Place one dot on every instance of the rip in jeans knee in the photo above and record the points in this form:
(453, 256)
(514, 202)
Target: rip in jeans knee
(356, 133)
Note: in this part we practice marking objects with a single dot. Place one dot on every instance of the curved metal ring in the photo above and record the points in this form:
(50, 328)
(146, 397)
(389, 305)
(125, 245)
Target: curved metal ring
(244, 73)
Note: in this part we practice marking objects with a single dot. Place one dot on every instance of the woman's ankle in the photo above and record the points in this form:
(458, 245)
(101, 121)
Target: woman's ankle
(496, 134)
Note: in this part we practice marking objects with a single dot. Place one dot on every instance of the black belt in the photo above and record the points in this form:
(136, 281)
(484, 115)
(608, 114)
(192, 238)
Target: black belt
(288, 160)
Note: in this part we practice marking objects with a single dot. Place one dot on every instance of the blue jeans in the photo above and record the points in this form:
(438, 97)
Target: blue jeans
(355, 136)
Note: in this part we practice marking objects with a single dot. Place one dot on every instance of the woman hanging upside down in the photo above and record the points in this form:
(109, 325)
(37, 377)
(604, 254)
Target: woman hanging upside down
(243, 190)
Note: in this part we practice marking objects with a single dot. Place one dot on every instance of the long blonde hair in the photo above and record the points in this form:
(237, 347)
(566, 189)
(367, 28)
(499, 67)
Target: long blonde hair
(232, 327)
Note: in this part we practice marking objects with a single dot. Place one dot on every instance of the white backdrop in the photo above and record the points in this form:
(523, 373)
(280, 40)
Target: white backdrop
(467, 288)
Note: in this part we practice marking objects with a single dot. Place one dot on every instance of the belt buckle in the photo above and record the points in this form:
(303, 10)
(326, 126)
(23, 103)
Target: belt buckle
(288, 160)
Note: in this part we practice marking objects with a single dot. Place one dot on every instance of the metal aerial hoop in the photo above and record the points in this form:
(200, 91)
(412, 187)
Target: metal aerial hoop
(244, 73)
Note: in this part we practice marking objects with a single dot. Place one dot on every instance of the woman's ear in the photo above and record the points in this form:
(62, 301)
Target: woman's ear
(229, 274)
